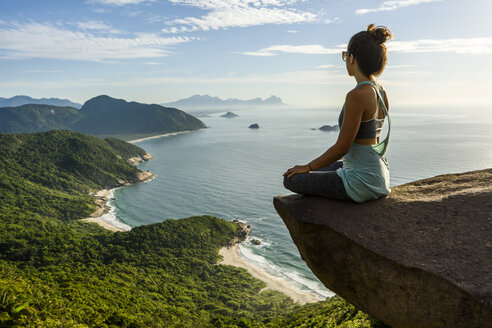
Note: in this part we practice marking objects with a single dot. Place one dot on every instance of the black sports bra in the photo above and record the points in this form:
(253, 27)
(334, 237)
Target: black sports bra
(368, 129)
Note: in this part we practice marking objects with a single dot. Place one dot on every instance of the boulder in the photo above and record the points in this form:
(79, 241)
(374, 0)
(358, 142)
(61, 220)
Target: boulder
(421, 257)
(254, 126)
(256, 241)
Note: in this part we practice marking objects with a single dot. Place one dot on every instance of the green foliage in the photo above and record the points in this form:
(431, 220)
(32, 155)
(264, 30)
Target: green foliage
(56, 271)
(125, 149)
(36, 118)
(331, 313)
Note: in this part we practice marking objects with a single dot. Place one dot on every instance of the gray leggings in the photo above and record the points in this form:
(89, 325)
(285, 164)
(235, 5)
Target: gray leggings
(321, 182)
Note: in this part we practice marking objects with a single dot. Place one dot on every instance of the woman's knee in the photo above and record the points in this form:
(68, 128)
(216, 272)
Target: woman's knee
(287, 182)
(293, 182)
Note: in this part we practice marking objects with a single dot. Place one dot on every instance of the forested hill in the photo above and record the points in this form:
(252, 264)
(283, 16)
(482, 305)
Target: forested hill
(104, 115)
(101, 116)
(56, 271)
(36, 118)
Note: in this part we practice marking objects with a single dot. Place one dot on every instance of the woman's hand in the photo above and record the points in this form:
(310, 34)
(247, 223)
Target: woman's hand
(297, 170)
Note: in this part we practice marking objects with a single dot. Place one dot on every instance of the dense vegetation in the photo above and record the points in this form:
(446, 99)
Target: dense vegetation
(56, 271)
(36, 118)
(101, 116)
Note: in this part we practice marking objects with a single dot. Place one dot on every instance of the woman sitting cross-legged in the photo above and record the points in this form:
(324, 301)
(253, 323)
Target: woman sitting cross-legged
(364, 172)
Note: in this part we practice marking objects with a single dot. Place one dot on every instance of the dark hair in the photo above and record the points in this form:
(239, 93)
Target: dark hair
(369, 49)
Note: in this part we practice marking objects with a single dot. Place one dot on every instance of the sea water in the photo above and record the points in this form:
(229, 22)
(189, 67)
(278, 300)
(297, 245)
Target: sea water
(233, 172)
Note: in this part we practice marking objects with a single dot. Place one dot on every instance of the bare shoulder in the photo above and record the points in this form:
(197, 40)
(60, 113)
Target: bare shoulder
(359, 97)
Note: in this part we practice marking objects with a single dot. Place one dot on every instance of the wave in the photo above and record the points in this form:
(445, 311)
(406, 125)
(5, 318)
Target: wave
(111, 217)
(291, 276)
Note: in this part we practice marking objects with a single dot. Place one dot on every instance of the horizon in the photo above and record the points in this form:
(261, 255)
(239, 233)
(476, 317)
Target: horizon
(156, 51)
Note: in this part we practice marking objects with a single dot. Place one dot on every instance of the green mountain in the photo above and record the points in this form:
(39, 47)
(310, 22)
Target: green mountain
(36, 118)
(101, 116)
(56, 271)
(104, 115)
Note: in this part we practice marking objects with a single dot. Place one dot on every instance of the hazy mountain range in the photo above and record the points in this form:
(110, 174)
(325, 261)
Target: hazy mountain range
(206, 102)
(23, 100)
(100, 116)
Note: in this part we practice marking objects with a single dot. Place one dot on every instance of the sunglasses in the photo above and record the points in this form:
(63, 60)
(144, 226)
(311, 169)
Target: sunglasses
(344, 55)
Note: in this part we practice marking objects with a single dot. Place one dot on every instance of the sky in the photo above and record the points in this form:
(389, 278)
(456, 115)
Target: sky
(158, 51)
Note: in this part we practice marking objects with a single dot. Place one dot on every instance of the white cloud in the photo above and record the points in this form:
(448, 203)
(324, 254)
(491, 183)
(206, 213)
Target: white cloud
(473, 46)
(238, 13)
(309, 77)
(393, 5)
(325, 66)
(118, 2)
(93, 25)
(312, 49)
(34, 40)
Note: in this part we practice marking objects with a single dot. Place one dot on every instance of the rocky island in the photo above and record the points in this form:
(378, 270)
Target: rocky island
(329, 128)
(229, 115)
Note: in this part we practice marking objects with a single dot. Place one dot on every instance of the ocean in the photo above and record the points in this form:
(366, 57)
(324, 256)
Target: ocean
(233, 172)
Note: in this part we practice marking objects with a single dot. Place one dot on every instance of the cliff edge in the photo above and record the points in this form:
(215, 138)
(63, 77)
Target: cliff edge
(421, 257)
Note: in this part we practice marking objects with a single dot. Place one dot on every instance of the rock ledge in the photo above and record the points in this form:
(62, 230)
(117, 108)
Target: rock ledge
(421, 257)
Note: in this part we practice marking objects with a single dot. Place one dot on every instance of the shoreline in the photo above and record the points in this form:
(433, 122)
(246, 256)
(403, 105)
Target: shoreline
(103, 215)
(232, 257)
(160, 136)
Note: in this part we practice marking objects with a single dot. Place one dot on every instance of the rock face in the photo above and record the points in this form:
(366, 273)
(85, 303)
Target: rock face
(243, 229)
(421, 257)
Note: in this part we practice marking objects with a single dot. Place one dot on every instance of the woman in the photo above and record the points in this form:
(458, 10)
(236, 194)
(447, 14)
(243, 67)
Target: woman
(364, 173)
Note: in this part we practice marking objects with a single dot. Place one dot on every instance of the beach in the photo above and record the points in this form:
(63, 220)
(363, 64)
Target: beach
(232, 257)
(158, 136)
(104, 214)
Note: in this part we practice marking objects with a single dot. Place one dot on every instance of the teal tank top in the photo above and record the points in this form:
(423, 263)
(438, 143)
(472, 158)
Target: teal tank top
(365, 171)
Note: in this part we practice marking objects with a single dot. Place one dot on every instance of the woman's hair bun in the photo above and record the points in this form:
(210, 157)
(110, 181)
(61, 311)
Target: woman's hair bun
(379, 33)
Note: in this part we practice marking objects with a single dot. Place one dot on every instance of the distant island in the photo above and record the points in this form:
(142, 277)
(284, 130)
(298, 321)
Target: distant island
(24, 100)
(100, 116)
(229, 115)
(329, 128)
(209, 104)
(254, 126)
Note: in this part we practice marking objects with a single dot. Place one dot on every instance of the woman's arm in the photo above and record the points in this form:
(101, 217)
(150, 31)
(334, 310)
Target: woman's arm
(354, 108)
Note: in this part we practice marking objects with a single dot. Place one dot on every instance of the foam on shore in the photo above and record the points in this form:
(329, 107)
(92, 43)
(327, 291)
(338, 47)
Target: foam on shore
(231, 257)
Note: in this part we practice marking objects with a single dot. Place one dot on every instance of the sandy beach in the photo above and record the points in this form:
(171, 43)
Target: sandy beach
(232, 257)
(104, 224)
(103, 214)
(158, 136)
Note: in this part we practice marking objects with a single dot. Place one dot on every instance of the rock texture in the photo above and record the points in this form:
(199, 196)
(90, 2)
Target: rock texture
(421, 257)
(139, 159)
(243, 232)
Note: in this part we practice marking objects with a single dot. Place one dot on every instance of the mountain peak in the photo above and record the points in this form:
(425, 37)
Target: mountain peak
(207, 102)
(20, 100)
